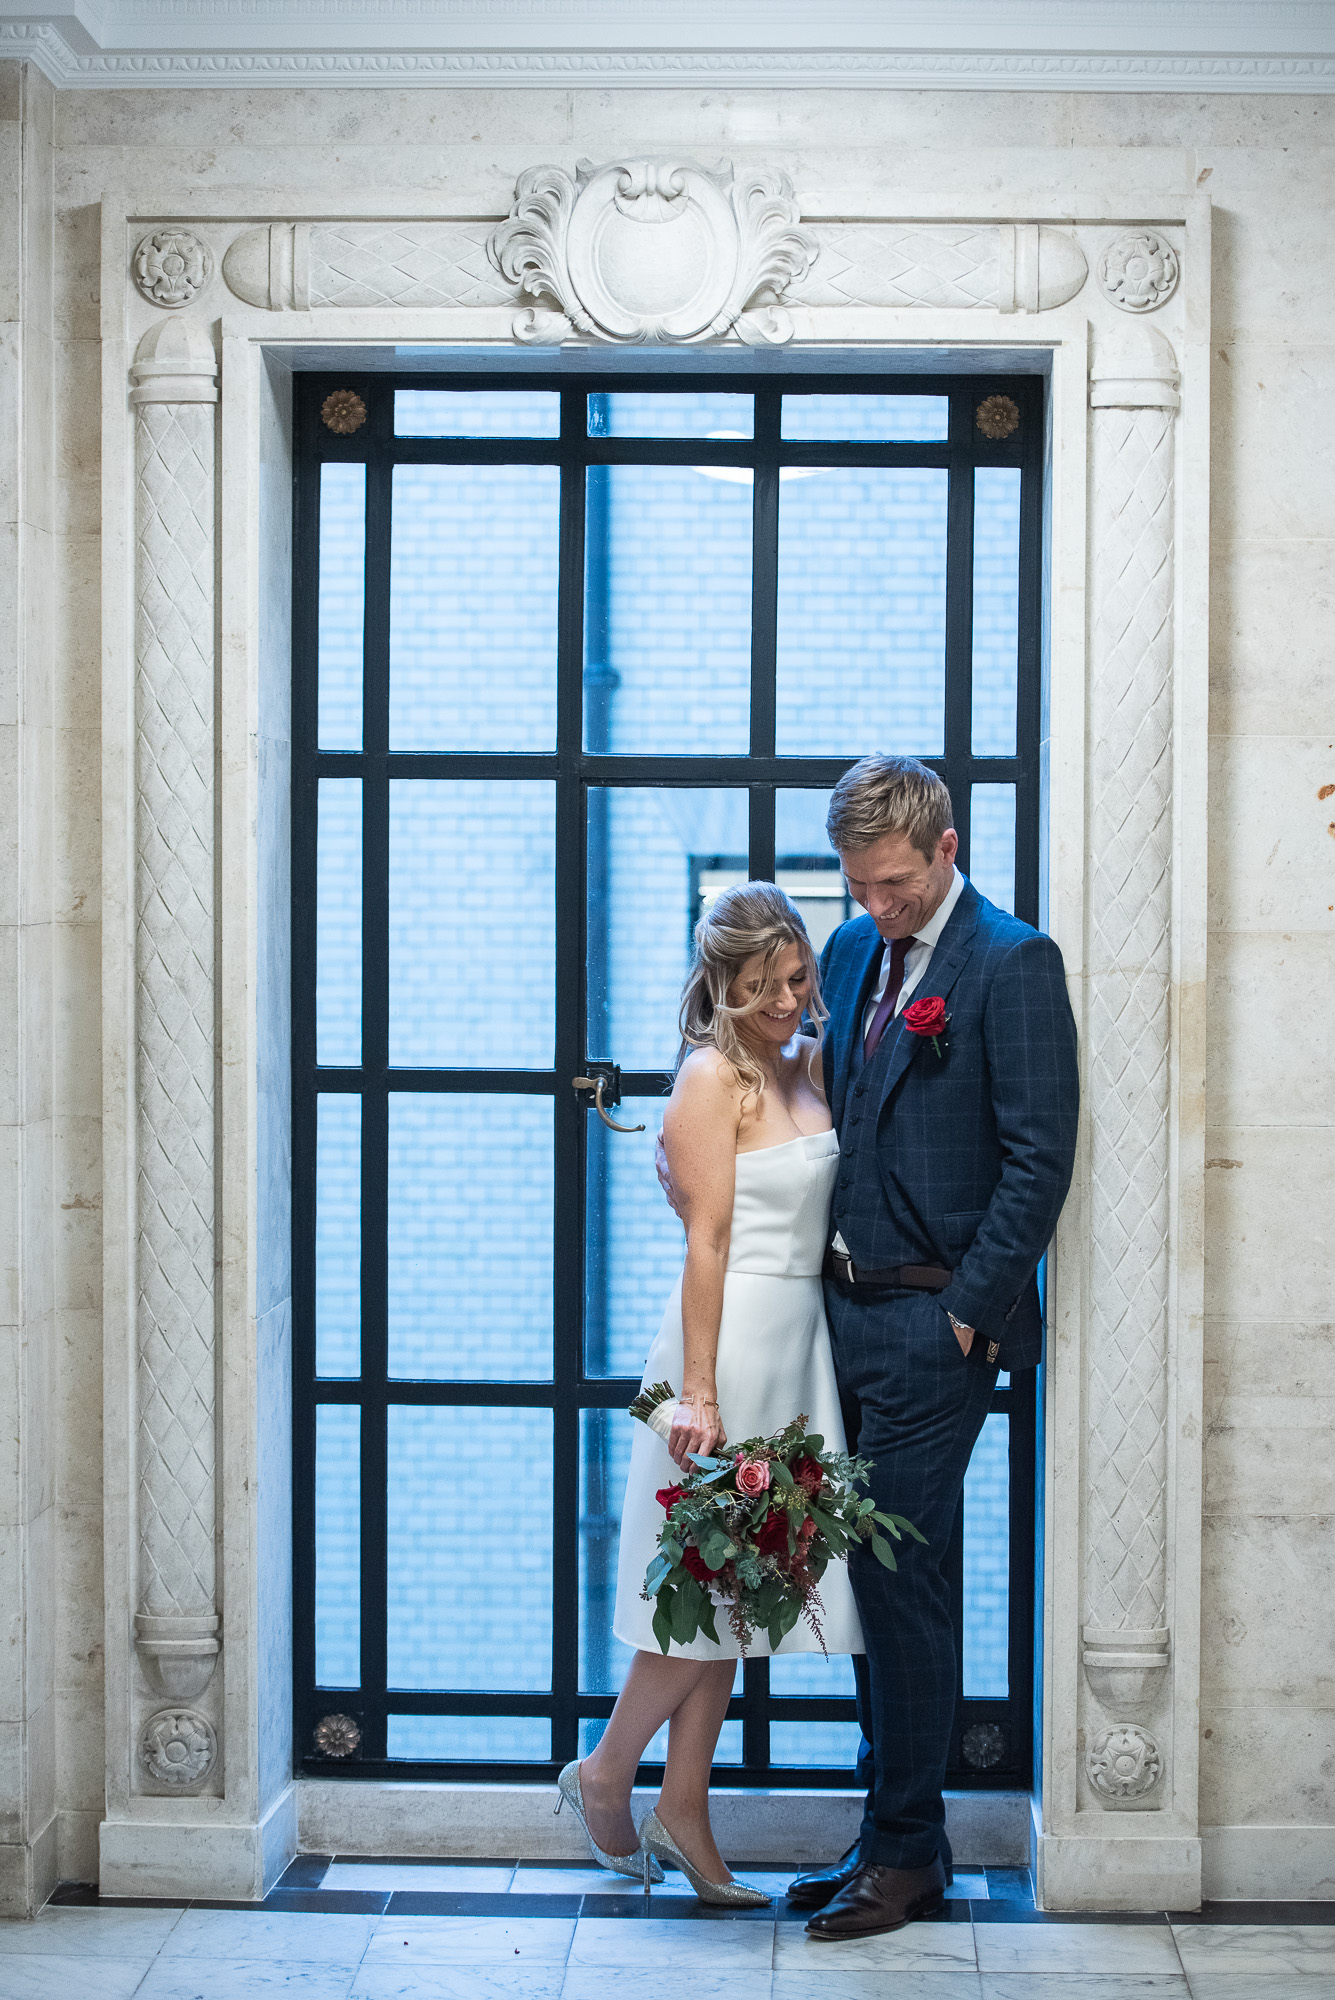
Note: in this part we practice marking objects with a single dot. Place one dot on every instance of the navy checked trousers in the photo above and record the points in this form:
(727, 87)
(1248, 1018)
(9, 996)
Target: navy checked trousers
(914, 1405)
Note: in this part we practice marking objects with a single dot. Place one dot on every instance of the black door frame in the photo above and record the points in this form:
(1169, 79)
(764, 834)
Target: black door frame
(995, 1758)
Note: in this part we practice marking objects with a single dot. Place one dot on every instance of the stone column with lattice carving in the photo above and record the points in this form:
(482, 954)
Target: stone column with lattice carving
(176, 1627)
(1126, 1624)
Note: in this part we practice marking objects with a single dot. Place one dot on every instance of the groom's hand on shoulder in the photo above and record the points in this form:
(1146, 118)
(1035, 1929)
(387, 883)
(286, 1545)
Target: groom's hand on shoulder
(664, 1174)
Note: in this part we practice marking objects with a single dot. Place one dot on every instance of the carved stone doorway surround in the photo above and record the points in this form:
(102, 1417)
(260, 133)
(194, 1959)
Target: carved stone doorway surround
(662, 252)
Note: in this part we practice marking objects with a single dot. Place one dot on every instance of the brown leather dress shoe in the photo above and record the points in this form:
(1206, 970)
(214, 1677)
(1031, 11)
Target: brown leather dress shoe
(880, 1899)
(814, 1891)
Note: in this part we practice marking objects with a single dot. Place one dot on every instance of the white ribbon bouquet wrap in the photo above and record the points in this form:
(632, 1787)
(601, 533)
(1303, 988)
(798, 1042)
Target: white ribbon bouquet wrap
(656, 1407)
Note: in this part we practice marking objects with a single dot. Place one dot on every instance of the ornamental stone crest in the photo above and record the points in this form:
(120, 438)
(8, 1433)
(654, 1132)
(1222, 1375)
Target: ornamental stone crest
(652, 250)
(1123, 1764)
(171, 266)
(1139, 272)
(177, 1747)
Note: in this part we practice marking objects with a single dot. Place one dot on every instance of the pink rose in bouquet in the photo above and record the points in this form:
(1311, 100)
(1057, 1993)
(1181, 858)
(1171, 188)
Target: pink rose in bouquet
(752, 1477)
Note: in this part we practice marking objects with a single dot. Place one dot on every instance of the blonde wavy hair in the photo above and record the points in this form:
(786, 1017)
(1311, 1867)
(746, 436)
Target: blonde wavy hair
(756, 919)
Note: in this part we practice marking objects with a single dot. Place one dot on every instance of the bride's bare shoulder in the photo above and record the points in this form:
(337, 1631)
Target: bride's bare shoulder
(706, 1087)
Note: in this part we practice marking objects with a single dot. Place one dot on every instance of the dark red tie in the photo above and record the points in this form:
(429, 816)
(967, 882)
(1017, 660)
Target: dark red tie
(885, 1012)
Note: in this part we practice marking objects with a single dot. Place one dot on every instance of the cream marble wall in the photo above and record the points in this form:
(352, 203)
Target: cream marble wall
(1269, 165)
(39, 947)
(1268, 1671)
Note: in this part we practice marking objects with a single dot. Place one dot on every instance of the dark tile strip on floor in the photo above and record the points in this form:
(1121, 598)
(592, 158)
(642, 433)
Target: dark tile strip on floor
(306, 1872)
(1009, 1902)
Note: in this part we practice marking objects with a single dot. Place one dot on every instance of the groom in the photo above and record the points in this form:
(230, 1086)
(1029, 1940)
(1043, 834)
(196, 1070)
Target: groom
(957, 1148)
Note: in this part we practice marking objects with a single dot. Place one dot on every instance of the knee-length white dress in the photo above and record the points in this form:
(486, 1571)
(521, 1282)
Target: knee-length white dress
(774, 1363)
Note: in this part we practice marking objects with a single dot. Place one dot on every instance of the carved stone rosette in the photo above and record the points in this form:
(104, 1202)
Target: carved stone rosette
(1124, 1766)
(1134, 397)
(1139, 272)
(176, 1627)
(171, 267)
(177, 1749)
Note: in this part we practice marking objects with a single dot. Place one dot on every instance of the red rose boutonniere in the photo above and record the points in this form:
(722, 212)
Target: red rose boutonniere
(927, 1018)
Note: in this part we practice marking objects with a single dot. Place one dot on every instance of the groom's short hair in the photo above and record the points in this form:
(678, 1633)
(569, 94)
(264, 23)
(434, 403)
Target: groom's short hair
(884, 795)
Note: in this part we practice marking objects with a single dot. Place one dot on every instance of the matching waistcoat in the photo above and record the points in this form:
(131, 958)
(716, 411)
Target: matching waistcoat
(880, 1229)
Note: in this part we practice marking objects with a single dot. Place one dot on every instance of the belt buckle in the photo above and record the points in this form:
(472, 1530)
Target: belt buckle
(849, 1275)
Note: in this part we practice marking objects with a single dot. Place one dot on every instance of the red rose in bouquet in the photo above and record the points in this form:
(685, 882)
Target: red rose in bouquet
(692, 1560)
(927, 1018)
(772, 1539)
(809, 1476)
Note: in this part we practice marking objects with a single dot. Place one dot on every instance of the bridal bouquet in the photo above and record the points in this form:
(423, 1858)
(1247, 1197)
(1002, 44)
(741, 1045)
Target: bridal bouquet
(756, 1531)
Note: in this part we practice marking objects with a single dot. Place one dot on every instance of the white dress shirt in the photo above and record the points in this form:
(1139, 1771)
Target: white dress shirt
(916, 961)
(918, 956)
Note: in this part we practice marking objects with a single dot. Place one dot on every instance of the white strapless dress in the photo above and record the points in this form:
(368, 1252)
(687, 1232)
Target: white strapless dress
(774, 1362)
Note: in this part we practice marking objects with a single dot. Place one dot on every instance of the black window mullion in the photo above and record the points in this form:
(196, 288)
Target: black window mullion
(755, 1714)
(760, 832)
(764, 573)
(1021, 1438)
(764, 628)
(761, 837)
(375, 1103)
(1029, 688)
(568, 1205)
(305, 803)
(959, 618)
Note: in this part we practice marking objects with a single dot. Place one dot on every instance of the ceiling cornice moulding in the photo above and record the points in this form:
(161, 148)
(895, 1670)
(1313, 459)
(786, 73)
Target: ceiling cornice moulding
(1146, 45)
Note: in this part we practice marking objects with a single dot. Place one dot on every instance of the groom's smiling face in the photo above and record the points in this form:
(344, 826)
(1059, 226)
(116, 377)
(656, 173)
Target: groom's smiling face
(897, 885)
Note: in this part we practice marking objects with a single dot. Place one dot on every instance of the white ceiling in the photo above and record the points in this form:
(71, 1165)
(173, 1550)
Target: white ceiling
(1190, 45)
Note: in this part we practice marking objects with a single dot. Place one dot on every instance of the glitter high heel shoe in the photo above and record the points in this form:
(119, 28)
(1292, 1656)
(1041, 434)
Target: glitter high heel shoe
(569, 1794)
(656, 1843)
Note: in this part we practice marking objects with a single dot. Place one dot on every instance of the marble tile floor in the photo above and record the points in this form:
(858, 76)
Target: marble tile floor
(100, 1951)
(355, 1930)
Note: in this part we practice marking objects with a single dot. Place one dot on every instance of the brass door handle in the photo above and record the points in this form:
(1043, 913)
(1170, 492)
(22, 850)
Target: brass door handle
(598, 1084)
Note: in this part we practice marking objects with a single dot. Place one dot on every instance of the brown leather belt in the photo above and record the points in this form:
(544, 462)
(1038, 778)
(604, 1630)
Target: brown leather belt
(912, 1277)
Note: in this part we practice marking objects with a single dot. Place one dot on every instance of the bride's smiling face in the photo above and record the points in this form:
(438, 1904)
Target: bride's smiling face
(775, 1021)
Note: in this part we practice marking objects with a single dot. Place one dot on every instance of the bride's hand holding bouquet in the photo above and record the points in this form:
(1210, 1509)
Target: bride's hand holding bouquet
(695, 1429)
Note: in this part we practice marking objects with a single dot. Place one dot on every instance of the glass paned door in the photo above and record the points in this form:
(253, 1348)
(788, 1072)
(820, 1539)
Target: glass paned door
(572, 657)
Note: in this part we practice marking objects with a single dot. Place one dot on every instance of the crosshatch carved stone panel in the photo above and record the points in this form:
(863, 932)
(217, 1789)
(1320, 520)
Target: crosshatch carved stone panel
(902, 264)
(1131, 904)
(404, 264)
(175, 1004)
(1126, 1582)
(570, 248)
(1005, 267)
(176, 1621)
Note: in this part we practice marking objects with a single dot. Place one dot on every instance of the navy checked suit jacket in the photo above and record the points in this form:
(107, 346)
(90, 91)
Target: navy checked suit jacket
(974, 1150)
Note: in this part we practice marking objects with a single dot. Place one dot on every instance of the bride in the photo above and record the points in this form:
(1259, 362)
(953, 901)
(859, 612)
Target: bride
(752, 1155)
